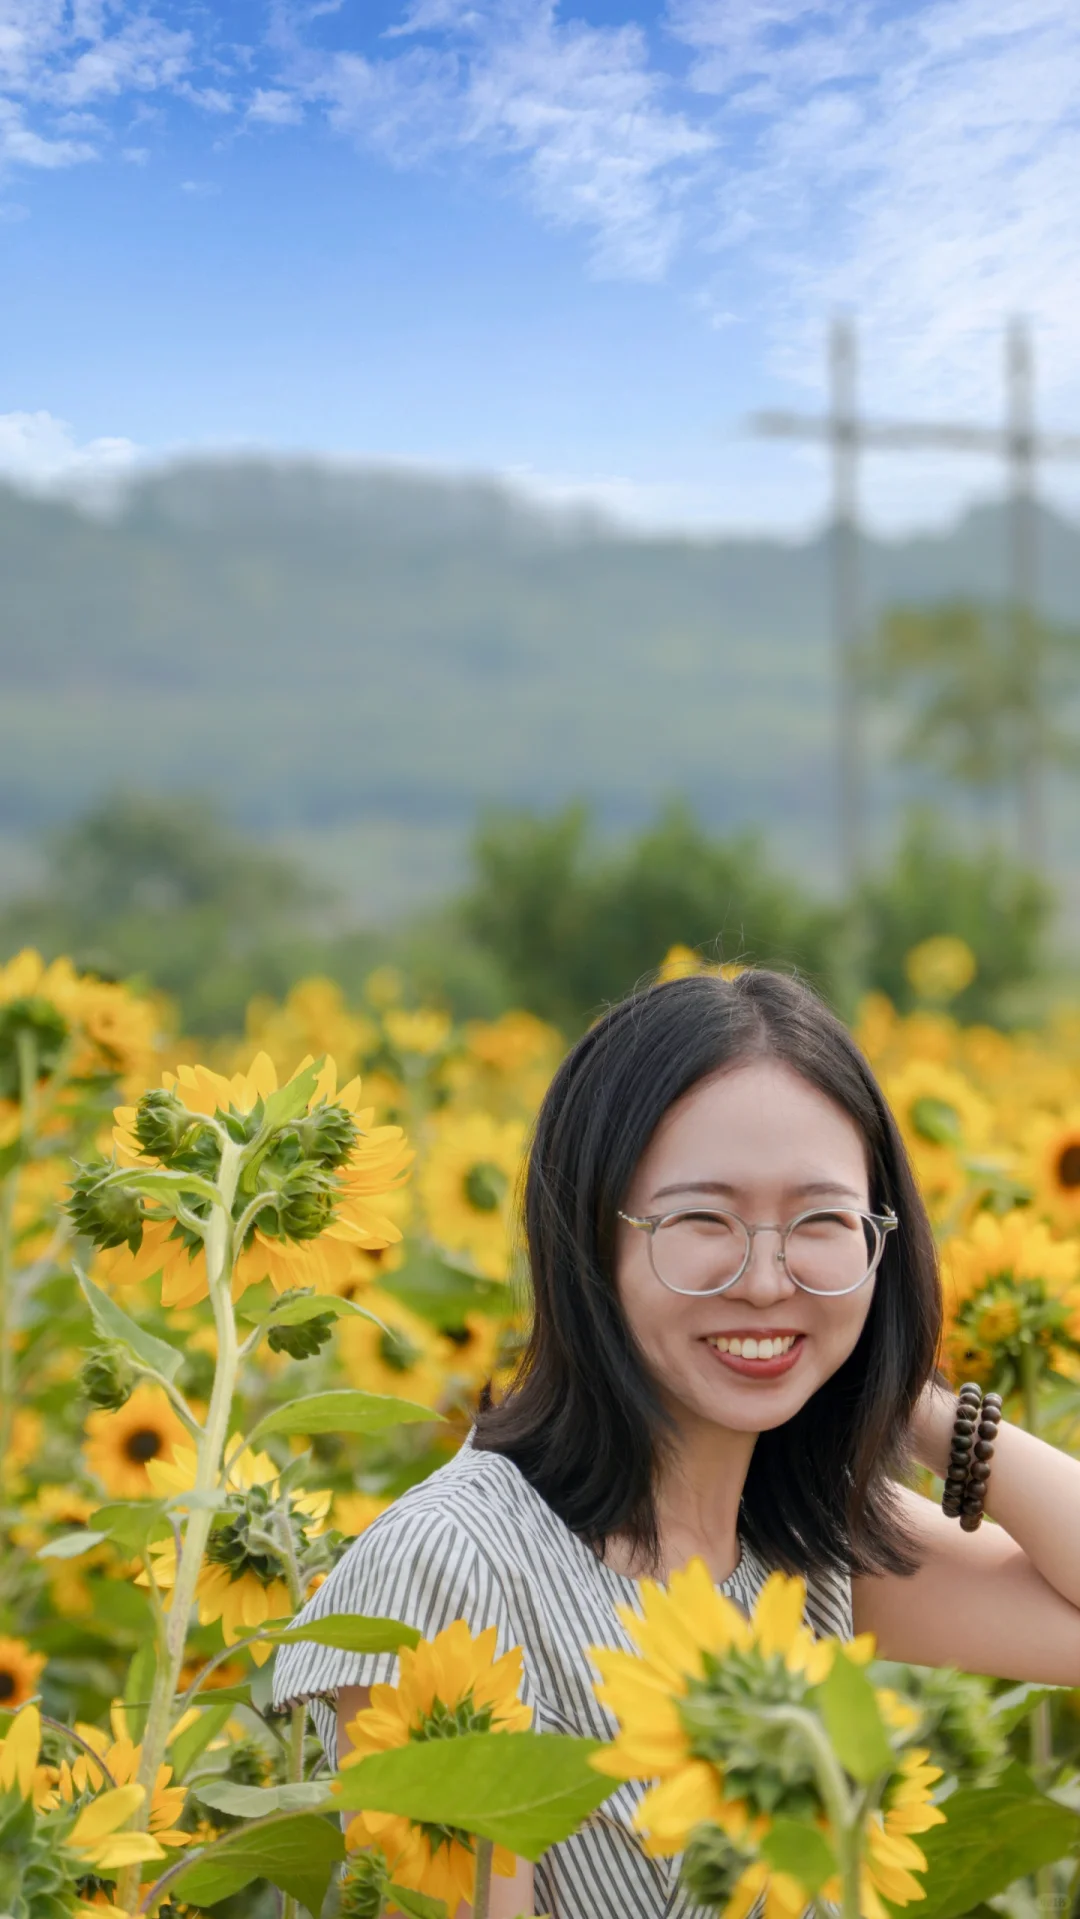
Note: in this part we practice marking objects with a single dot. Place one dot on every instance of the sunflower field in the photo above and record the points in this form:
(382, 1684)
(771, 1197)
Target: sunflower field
(249, 1293)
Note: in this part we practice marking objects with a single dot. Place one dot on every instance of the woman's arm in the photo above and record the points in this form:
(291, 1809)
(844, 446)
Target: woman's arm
(509, 1897)
(1004, 1600)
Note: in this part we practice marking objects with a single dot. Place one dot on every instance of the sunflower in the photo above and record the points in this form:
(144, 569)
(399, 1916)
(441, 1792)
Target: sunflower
(241, 1582)
(891, 1856)
(108, 1029)
(1054, 1168)
(375, 1166)
(120, 1446)
(468, 1185)
(20, 1670)
(684, 1631)
(121, 1758)
(1009, 1285)
(400, 1358)
(940, 968)
(688, 1706)
(470, 1352)
(942, 1118)
(447, 1686)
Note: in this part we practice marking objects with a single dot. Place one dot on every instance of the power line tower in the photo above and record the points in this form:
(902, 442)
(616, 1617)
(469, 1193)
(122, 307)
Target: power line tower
(1017, 441)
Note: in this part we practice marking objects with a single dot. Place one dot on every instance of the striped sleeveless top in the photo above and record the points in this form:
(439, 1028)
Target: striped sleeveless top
(476, 1542)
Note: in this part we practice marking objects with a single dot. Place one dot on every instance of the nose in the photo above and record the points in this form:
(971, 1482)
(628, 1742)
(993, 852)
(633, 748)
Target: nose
(766, 1279)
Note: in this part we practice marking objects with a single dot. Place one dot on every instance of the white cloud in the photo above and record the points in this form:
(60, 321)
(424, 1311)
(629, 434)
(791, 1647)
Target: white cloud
(579, 113)
(917, 166)
(276, 107)
(37, 450)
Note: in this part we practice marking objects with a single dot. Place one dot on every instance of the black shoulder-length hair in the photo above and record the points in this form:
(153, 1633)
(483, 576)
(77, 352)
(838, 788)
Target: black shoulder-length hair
(583, 1420)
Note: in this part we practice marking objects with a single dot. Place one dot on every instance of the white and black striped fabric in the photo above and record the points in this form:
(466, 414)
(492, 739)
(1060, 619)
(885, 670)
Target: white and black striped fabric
(476, 1542)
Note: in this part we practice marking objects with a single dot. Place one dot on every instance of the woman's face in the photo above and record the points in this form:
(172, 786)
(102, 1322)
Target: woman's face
(761, 1142)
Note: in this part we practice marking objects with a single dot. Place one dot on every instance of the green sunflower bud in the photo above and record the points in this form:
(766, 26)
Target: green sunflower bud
(106, 1378)
(712, 1867)
(32, 1031)
(326, 1136)
(959, 1725)
(303, 1341)
(108, 1215)
(163, 1125)
(364, 1886)
(306, 1198)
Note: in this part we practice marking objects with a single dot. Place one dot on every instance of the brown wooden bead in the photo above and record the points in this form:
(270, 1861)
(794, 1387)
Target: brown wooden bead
(988, 1429)
(992, 1399)
(984, 1449)
(969, 1390)
(979, 1472)
(970, 1522)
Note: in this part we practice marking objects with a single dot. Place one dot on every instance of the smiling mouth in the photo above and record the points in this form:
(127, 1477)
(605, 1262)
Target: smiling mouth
(751, 1348)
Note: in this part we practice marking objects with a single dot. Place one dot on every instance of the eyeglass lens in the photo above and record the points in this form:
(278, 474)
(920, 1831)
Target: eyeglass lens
(826, 1251)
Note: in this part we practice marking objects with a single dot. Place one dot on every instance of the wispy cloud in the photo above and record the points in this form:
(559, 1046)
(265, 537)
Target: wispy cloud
(579, 116)
(918, 165)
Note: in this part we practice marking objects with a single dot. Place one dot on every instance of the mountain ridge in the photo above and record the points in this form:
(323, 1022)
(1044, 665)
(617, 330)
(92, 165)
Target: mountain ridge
(322, 648)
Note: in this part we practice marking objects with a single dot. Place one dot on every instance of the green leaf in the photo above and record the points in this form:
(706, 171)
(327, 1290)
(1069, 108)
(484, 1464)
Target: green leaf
(1013, 1706)
(994, 1835)
(113, 1323)
(294, 1312)
(254, 1802)
(442, 1292)
(801, 1851)
(350, 1632)
(853, 1722)
(341, 1412)
(417, 1905)
(132, 1523)
(165, 1187)
(296, 1851)
(71, 1545)
(524, 1790)
(290, 1100)
(235, 1695)
(189, 1745)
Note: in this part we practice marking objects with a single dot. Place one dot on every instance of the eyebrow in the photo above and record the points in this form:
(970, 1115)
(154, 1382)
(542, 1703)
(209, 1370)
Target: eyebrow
(806, 1189)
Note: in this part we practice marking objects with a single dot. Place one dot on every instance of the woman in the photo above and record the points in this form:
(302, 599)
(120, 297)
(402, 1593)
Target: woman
(736, 1319)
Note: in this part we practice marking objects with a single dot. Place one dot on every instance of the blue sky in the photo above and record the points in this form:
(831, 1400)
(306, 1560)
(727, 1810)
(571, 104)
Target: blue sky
(571, 243)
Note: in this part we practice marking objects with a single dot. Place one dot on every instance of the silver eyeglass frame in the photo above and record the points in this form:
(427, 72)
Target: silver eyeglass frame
(650, 1223)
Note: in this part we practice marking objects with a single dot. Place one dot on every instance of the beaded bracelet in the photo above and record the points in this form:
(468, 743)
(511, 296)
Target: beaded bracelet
(971, 1511)
(968, 1406)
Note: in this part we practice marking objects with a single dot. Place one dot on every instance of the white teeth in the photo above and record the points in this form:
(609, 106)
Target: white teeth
(754, 1348)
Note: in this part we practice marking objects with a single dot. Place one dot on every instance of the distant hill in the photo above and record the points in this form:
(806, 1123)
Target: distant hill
(367, 652)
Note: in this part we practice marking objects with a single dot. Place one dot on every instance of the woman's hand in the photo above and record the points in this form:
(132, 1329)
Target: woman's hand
(932, 1424)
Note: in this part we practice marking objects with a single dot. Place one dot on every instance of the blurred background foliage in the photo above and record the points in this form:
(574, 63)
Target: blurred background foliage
(555, 917)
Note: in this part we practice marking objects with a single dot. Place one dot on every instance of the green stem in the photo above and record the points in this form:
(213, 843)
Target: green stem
(290, 1908)
(482, 1895)
(1040, 1728)
(218, 1244)
(844, 1809)
(26, 1053)
(7, 1329)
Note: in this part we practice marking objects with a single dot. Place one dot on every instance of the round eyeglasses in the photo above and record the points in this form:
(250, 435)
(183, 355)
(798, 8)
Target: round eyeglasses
(829, 1252)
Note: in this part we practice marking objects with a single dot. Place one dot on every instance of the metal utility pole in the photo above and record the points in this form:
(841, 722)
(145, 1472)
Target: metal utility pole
(1018, 441)
(843, 413)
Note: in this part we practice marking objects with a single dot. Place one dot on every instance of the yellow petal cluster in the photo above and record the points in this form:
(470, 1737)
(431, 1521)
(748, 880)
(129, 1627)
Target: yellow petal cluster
(455, 1669)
